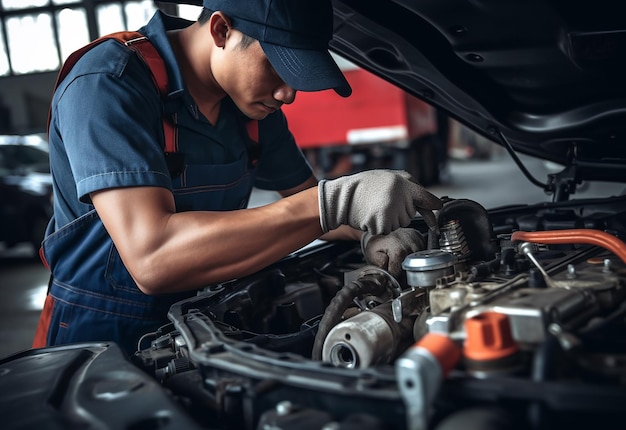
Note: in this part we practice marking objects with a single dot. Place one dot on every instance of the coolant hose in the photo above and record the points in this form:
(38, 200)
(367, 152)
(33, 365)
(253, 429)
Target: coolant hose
(587, 236)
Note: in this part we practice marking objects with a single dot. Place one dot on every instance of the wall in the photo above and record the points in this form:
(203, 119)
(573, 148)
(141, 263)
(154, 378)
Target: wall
(28, 99)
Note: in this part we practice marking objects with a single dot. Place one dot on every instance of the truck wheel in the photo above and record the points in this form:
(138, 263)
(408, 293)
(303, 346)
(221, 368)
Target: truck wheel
(422, 160)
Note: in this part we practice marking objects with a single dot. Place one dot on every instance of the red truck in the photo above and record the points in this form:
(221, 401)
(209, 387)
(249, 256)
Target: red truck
(378, 126)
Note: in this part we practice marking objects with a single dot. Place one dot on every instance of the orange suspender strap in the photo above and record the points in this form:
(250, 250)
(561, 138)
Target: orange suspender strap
(43, 326)
(148, 53)
(150, 56)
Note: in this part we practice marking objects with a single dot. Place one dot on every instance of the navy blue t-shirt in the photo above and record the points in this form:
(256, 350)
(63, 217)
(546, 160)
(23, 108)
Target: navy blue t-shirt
(106, 131)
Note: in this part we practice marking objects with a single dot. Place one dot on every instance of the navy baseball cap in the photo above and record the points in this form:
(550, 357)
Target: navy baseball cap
(294, 35)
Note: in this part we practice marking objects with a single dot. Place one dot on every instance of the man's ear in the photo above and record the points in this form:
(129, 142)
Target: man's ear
(219, 24)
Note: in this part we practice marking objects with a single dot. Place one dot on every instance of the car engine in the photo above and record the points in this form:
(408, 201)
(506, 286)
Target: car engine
(512, 318)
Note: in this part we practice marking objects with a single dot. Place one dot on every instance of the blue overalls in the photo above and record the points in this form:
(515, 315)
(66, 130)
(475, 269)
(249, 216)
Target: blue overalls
(92, 296)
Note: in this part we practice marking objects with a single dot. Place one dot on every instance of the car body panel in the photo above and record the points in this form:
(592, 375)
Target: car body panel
(546, 76)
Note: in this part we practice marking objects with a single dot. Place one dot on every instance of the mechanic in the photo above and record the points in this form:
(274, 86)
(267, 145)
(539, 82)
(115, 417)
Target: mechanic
(128, 239)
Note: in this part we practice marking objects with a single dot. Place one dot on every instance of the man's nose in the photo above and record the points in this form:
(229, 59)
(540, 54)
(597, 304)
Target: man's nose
(285, 94)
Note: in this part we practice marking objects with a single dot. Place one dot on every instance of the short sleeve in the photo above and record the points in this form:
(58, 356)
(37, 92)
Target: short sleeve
(109, 120)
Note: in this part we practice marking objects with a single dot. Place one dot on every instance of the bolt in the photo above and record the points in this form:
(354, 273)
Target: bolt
(554, 328)
(284, 408)
(571, 271)
(458, 30)
(475, 58)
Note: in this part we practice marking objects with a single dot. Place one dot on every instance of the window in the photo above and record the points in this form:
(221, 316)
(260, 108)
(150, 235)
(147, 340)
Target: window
(189, 12)
(26, 56)
(4, 58)
(73, 31)
(38, 35)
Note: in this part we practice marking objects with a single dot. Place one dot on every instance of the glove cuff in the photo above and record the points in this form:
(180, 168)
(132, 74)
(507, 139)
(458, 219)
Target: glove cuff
(365, 237)
(322, 204)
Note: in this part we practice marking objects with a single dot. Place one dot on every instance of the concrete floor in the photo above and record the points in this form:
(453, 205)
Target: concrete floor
(23, 278)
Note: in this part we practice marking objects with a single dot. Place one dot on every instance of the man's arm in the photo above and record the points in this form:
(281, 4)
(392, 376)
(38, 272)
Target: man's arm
(165, 251)
(344, 232)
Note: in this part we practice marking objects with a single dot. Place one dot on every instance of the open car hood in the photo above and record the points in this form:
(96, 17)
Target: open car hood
(546, 77)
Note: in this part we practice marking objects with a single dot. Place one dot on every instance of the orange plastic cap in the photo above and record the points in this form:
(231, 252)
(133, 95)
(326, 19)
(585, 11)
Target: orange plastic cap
(488, 337)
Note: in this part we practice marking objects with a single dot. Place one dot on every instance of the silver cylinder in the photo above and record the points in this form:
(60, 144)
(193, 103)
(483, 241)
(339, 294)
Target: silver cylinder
(364, 340)
(423, 268)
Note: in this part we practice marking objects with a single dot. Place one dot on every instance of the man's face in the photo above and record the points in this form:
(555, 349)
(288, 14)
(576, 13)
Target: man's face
(251, 81)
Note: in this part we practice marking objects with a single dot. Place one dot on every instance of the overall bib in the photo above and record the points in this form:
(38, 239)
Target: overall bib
(92, 297)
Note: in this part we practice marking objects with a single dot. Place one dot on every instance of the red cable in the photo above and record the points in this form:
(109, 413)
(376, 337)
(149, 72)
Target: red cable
(588, 236)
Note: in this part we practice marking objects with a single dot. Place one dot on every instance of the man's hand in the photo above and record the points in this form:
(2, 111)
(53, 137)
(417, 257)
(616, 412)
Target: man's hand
(389, 251)
(376, 201)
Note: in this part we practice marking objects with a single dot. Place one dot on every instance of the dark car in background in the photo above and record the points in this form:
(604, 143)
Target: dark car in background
(514, 317)
(25, 189)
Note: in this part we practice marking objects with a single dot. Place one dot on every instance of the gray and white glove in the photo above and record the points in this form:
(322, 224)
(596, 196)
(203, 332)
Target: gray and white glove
(388, 251)
(377, 201)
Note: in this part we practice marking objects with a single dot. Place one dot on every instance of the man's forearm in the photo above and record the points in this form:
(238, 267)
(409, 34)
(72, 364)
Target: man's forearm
(171, 252)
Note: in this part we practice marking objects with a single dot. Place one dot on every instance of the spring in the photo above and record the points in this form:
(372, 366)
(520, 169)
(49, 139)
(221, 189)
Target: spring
(452, 239)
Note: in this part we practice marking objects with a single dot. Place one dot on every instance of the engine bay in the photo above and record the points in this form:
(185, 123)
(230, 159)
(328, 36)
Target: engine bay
(510, 318)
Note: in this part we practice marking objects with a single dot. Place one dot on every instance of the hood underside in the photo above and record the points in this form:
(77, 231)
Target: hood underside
(545, 76)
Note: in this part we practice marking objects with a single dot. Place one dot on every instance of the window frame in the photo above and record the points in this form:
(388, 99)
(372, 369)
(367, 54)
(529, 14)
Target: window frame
(89, 6)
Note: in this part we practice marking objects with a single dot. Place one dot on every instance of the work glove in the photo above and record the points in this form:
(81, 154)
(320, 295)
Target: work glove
(388, 251)
(376, 201)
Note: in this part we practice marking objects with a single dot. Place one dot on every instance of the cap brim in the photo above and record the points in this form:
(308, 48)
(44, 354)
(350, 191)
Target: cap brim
(307, 69)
